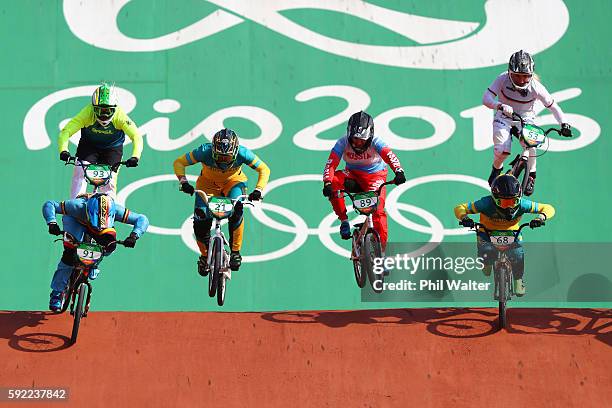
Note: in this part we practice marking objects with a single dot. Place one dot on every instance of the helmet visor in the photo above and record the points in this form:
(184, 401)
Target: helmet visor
(507, 202)
(104, 112)
(361, 134)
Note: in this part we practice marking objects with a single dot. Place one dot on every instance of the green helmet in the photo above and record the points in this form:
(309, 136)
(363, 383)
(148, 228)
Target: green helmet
(104, 102)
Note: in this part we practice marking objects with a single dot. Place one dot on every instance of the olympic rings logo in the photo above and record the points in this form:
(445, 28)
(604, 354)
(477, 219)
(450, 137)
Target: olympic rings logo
(300, 229)
(442, 43)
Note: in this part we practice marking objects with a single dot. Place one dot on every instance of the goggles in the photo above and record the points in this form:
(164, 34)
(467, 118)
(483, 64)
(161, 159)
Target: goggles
(104, 111)
(507, 202)
(223, 158)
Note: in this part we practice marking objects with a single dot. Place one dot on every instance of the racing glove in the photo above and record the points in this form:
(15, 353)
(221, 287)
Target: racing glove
(187, 188)
(64, 155)
(536, 222)
(400, 178)
(131, 162)
(566, 130)
(506, 109)
(54, 229)
(255, 195)
(130, 242)
(467, 222)
(327, 190)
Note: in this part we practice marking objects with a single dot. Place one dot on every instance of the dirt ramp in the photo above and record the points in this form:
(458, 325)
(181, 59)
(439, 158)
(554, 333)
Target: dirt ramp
(430, 357)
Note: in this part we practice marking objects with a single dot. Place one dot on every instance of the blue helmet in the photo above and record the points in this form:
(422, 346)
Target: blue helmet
(101, 212)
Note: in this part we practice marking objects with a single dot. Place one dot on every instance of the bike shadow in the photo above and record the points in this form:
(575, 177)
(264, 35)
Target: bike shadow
(566, 322)
(445, 322)
(467, 322)
(38, 342)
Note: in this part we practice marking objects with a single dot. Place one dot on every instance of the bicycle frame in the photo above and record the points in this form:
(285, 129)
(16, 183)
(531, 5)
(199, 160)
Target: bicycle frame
(502, 270)
(521, 161)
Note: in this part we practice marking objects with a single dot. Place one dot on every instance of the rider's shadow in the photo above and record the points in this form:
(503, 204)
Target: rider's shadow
(12, 322)
(595, 322)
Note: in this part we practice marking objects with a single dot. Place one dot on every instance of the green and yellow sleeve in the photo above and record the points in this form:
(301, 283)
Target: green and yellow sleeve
(122, 121)
(83, 119)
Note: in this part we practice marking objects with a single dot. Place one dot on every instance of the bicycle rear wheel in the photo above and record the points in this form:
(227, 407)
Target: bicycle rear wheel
(370, 251)
(360, 274)
(78, 312)
(213, 275)
(500, 277)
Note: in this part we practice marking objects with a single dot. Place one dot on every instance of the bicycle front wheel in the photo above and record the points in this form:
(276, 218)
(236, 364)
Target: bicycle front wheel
(222, 280)
(78, 312)
(213, 275)
(371, 250)
(502, 285)
(360, 274)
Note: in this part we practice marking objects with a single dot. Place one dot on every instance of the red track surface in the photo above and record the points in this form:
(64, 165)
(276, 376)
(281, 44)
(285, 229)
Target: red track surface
(423, 357)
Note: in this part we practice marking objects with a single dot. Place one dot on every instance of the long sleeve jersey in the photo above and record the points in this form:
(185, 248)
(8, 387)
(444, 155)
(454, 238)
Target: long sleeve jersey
(101, 137)
(493, 220)
(522, 101)
(77, 208)
(211, 171)
(371, 161)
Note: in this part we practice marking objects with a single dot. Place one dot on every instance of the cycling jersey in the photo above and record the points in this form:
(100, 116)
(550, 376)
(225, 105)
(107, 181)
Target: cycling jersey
(492, 219)
(371, 161)
(99, 137)
(213, 173)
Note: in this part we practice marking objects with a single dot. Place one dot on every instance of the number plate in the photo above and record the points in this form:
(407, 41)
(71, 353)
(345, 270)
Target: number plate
(533, 135)
(365, 201)
(220, 207)
(98, 174)
(502, 237)
(89, 253)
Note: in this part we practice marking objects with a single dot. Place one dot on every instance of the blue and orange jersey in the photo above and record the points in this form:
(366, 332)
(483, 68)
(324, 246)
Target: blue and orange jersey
(373, 160)
(216, 174)
(491, 218)
(77, 208)
(99, 136)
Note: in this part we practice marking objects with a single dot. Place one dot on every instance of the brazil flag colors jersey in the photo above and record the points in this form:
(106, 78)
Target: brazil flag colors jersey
(99, 137)
(493, 220)
(211, 171)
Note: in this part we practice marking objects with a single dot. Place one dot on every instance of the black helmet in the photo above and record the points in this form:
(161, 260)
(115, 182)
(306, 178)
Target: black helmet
(360, 127)
(506, 192)
(225, 147)
(520, 69)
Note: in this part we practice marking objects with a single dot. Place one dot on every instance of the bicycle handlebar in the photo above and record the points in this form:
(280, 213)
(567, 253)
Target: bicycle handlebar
(75, 161)
(546, 132)
(66, 235)
(487, 231)
(351, 195)
(243, 198)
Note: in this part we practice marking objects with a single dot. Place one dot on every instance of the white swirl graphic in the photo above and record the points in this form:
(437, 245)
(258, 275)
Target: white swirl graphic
(446, 44)
(299, 228)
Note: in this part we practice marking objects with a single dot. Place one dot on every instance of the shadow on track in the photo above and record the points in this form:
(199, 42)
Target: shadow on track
(466, 322)
(451, 322)
(11, 322)
(568, 322)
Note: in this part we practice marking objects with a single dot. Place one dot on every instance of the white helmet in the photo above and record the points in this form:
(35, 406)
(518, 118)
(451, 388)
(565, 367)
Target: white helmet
(520, 69)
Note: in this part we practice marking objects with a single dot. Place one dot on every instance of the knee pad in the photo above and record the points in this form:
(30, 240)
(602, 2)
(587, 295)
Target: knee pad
(201, 229)
(68, 256)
